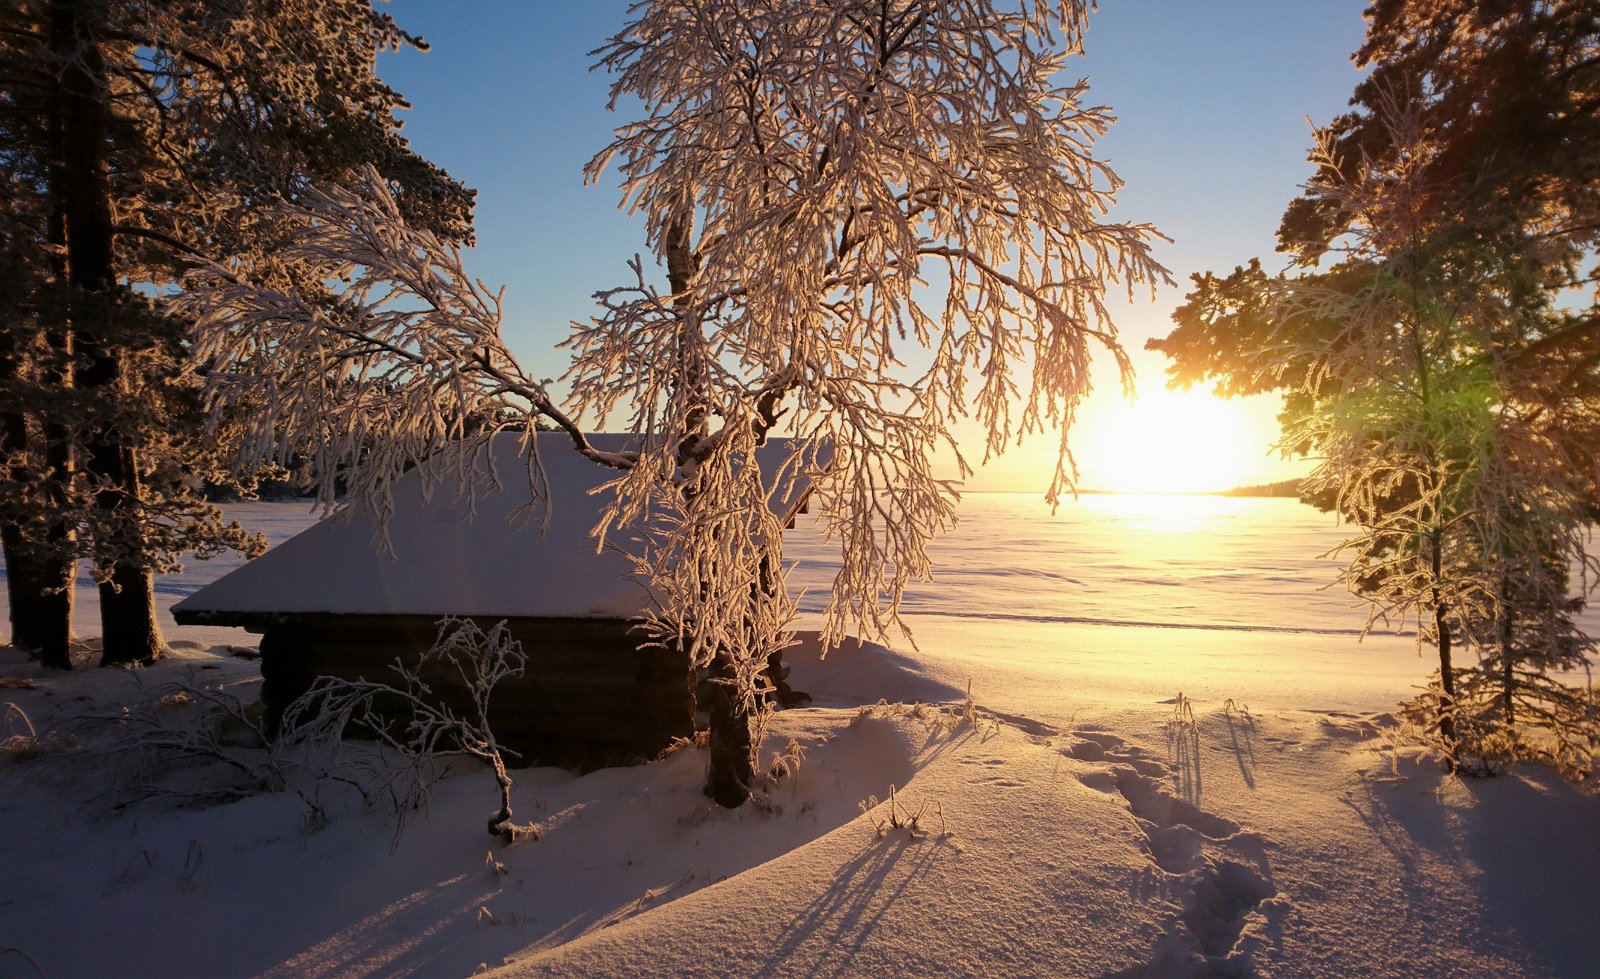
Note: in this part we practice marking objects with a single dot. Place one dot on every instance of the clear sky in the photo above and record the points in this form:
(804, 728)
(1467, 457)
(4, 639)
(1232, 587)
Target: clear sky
(1213, 100)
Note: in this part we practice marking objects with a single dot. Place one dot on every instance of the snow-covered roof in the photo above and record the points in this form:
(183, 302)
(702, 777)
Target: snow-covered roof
(445, 562)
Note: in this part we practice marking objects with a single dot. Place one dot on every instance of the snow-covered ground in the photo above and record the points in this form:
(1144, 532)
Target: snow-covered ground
(1076, 823)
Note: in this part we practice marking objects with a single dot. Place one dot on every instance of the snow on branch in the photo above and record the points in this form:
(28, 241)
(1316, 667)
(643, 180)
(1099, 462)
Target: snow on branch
(879, 220)
(358, 346)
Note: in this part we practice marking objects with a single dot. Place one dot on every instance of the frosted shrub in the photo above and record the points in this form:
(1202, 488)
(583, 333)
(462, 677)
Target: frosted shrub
(406, 717)
(899, 817)
(21, 741)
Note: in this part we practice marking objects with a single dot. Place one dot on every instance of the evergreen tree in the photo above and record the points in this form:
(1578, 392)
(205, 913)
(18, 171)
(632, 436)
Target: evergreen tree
(1444, 365)
(141, 137)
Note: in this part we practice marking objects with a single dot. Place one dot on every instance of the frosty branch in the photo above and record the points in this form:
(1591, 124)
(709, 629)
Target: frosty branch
(428, 728)
(402, 364)
(833, 187)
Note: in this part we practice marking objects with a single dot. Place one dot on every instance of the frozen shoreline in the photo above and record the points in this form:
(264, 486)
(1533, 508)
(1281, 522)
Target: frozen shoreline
(1300, 841)
(1083, 827)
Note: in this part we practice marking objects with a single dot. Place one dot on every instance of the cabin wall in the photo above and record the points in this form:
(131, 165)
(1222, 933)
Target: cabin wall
(588, 698)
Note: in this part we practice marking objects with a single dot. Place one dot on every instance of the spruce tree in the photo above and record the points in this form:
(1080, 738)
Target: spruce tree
(1444, 364)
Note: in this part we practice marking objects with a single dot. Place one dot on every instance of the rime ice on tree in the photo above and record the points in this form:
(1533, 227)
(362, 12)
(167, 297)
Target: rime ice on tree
(831, 186)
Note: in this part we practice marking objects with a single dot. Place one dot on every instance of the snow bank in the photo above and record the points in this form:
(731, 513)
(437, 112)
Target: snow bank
(1084, 825)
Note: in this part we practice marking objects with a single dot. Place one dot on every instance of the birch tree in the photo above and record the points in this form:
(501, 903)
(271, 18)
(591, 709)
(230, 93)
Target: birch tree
(830, 184)
(876, 219)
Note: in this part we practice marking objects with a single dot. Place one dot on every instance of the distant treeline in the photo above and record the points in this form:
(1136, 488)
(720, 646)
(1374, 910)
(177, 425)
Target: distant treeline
(1289, 488)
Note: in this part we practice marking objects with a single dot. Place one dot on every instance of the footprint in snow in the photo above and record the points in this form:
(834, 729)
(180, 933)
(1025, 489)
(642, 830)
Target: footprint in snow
(1090, 746)
(1218, 873)
(1095, 746)
(1148, 802)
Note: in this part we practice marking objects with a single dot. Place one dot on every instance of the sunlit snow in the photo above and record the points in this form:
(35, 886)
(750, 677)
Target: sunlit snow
(1081, 827)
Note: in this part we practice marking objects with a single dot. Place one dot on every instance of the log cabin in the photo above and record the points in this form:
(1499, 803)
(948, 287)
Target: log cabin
(333, 601)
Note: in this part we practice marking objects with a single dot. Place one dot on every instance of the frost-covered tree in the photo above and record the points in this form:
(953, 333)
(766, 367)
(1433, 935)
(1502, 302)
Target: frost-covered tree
(830, 185)
(876, 219)
(138, 136)
(1438, 370)
(1504, 96)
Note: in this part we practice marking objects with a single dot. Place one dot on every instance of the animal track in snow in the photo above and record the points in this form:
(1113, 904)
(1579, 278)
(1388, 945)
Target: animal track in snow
(1219, 907)
(1217, 874)
(1149, 803)
(1095, 746)
(1100, 781)
(1091, 746)
(1175, 849)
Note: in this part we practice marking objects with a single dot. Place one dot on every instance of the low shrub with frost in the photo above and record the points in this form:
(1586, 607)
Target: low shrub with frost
(891, 816)
(22, 742)
(425, 731)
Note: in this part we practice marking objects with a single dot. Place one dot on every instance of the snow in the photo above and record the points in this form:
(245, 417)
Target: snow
(1075, 824)
(452, 553)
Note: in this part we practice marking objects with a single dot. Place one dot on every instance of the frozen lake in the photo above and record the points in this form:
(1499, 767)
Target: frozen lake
(1199, 562)
(1120, 599)
(1220, 595)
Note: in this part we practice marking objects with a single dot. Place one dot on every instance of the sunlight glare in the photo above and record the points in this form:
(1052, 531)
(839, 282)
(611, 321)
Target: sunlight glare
(1170, 442)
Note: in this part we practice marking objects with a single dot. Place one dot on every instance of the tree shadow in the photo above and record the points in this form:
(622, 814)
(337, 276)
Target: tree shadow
(1242, 739)
(1531, 839)
(845, 916)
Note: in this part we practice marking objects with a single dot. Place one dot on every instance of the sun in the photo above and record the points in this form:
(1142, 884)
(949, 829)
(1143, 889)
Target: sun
(1171, 442)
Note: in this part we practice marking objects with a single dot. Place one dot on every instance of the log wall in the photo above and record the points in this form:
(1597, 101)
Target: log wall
(588, 698)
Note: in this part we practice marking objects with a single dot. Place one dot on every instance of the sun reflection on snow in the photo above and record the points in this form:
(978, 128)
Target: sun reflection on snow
(1167, 513)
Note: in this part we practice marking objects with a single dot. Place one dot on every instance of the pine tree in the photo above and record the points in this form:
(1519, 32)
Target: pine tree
(1444, 365)
(142, 136)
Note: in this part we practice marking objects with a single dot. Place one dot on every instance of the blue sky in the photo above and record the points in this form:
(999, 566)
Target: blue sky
(1212, 98)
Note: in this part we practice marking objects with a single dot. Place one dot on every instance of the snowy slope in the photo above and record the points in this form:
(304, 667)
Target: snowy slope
(1081, 827)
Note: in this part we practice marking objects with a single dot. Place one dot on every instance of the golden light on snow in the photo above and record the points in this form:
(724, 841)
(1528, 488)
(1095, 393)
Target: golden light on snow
(1171, 442)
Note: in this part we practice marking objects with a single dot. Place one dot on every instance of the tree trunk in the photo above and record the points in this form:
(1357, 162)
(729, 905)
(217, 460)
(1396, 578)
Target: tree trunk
(40, 574)
(128, 617)
(776, 671)
(48, 595)
(1447, 681)
(40, 619)
(129, 631)
(36, 607)
(127, 611)
(1508, 675)
(1447, 678)
(729, 772)
(729, 768)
